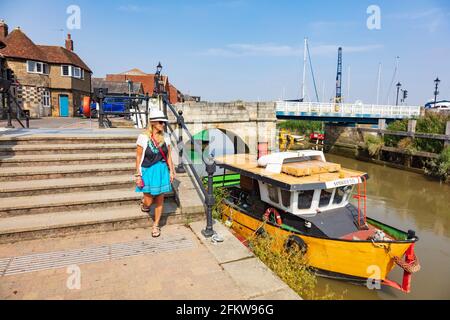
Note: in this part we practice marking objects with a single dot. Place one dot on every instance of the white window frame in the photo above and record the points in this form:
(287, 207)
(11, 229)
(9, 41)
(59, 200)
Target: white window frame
(42, 65)
(71, 71)
(46, 98)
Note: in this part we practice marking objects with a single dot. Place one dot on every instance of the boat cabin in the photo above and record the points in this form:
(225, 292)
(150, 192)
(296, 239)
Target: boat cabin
(302, 183)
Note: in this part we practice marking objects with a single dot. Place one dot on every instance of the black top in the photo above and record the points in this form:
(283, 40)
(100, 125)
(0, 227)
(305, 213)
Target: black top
(152, 154)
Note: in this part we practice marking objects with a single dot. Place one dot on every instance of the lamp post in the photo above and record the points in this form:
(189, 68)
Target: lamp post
(100, 98)
(436, 92)
(398, 85)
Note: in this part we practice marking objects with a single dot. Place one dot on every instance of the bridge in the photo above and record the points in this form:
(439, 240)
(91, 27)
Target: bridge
(344, 112)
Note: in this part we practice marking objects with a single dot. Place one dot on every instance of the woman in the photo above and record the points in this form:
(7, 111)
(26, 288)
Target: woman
(154, 167)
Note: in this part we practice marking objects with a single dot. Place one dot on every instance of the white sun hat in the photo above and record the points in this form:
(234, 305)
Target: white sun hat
(157, 115)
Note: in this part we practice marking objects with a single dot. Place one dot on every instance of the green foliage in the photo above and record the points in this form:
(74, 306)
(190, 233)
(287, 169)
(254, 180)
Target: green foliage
(373, 144)
(407, 145)
(440, 167)
(433, 122)
(219, 195)
(301, 126)
(399, 125)
(290, 266)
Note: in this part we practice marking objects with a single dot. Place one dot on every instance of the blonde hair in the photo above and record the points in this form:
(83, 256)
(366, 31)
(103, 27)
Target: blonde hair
(159, 136)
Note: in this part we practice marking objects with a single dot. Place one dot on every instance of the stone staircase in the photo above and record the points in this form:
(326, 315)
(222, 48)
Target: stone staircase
(60, 185)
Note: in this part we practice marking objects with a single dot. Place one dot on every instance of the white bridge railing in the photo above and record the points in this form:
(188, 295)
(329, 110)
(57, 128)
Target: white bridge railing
(345, 110)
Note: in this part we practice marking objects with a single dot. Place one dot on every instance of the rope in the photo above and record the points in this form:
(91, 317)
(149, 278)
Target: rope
(410, 267)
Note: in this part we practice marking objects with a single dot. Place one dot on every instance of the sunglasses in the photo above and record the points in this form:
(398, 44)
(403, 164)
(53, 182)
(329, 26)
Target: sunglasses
(161, 122)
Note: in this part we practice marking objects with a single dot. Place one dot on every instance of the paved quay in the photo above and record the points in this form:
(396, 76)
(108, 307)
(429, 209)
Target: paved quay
(130, 264)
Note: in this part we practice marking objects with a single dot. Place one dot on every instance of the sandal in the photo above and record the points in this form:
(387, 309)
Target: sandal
(156, 232)
(144, 208)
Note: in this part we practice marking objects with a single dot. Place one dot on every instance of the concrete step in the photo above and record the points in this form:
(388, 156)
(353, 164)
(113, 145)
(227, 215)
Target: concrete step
(65, 159)
(63, 223)
(70, 171)
(65, 185)
(10, 149)
(69, 139)
(73, 201)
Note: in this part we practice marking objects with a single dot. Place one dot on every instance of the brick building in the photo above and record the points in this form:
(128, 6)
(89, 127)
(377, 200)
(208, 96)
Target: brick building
(148, 82)
(49, 80)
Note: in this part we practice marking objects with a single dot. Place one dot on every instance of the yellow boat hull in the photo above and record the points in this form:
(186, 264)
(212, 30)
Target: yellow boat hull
(361, 259)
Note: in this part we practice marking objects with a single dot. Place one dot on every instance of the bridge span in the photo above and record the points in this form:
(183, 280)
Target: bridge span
(344, 112)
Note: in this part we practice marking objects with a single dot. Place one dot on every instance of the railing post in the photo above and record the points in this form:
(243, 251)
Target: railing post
(447, 133)
(180, 121)
(9, 113)
(147, 98)
(209, 200)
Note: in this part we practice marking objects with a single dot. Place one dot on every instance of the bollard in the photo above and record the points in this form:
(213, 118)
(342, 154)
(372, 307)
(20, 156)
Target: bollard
(210, 200)
(180, 120)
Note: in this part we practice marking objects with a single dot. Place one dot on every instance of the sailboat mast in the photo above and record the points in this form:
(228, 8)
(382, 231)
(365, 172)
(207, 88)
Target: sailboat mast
(379, 83)
(304, 70)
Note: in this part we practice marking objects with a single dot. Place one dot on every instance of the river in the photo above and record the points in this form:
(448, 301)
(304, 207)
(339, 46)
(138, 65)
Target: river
(407, 201)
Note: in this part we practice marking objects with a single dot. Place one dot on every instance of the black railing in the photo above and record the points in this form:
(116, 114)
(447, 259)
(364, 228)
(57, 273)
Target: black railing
(8, 99)
(208, 194)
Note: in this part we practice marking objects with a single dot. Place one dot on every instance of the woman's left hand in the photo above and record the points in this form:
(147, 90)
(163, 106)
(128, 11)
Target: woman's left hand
(172, 176)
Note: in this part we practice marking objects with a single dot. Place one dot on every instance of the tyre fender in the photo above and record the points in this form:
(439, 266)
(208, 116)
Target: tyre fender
(296, 242)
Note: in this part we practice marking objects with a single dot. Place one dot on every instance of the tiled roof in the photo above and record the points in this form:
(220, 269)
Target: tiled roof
(117, 87)
(18, 45)
(62, 55)
(134, 72)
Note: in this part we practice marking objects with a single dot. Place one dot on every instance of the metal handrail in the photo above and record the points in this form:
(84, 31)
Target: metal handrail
(25, 113)
(210, 167)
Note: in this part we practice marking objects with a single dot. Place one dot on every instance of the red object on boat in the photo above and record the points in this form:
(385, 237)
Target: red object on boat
(317, 136)
(87, 106)
(407, 276)
(263, 149)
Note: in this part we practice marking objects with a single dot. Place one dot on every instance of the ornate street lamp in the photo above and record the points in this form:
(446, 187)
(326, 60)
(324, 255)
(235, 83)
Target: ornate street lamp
(398, 85)
(436, 92)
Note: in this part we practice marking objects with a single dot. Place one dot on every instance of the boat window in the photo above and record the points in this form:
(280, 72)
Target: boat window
(325, 197)
(286, 198)
(341, 194)
(305, 198)
(273, 193)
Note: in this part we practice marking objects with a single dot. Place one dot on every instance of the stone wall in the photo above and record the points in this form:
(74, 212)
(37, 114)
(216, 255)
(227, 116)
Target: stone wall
(253, 122)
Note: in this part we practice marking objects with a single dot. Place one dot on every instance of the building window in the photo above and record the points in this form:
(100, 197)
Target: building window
(46, 98)
(37, 67)
(65, 71)
(71, 71)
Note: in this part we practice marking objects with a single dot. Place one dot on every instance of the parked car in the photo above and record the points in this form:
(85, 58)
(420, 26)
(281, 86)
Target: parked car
(110, 105)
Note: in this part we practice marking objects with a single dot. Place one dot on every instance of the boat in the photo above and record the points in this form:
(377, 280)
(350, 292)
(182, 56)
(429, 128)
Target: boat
(302, 198)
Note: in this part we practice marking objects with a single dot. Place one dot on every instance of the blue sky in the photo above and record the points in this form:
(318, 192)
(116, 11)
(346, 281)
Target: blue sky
(253, 50)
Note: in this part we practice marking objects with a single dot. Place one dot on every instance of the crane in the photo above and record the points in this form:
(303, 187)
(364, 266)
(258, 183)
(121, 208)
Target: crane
(338, 98)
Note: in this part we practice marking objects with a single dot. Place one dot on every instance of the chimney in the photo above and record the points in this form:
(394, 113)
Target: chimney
(69, 42)
(3, 29)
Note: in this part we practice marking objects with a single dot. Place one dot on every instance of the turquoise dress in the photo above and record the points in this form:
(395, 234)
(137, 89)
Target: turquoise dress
(155, 172)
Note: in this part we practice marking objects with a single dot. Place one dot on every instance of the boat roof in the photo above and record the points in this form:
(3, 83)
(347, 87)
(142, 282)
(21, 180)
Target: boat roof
(247, 165)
